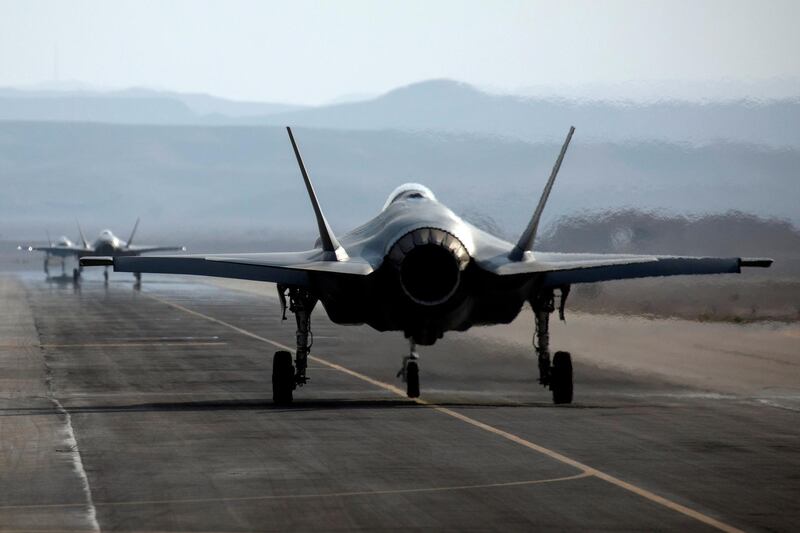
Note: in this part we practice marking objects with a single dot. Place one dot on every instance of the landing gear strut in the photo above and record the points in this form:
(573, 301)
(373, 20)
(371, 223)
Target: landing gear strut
(137, 279)
(285, 376)
(558, 375)
(105, 275)
(409, 372)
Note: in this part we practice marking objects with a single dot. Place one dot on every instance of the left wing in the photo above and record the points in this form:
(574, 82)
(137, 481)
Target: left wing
(291, 268)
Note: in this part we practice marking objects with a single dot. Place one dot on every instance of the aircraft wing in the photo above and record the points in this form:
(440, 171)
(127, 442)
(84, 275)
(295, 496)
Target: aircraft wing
(566, 268)
(143, 249)
(291, 268)
(60, 250)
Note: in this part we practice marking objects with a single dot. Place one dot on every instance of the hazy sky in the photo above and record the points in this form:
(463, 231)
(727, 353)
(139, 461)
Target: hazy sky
(314, 51)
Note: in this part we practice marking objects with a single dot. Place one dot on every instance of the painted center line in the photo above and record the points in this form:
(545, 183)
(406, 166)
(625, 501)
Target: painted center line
(585, 469)
(342, 494)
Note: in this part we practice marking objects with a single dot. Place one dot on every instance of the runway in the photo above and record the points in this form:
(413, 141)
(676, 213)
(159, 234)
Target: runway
(125, 410)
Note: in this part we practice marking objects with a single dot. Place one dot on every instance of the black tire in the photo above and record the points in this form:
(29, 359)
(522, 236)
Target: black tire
(75, 274)
(561, 378)
(412, 380)
(282, 378)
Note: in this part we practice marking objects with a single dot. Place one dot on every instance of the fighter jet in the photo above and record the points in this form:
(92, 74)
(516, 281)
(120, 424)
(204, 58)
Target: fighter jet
(107, 245)
(63, 248)
(419, 269)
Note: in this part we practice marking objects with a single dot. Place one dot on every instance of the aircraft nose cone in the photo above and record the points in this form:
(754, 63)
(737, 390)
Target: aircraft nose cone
(429, 262)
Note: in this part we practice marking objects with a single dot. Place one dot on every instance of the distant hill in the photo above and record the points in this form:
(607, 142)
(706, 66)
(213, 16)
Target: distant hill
(443, 105)
(130, 106)
(236, 180)
(436, 106)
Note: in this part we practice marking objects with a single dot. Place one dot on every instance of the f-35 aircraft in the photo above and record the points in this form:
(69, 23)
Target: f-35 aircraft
(61, 249)
(106, 245)
(418, 268)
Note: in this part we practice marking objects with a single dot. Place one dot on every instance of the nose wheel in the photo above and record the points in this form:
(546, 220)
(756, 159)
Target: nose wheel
(409, 372)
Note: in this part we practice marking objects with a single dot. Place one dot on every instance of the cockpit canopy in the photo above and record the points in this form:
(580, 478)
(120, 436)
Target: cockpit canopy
(106, 234)
(409, 191)
(63, 241)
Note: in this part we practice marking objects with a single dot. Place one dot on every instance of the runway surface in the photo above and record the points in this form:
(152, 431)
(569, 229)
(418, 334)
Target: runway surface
(125, 410)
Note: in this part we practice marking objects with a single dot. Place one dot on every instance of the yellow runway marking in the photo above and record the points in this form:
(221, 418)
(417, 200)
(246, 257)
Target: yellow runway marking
(343, 494)
(585, 469)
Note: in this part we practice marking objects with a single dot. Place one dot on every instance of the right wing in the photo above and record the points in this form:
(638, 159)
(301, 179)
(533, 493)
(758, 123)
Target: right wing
(289, 268)
(557, 269)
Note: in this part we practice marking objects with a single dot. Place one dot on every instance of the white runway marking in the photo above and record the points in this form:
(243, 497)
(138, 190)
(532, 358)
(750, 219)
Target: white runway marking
(77, 463)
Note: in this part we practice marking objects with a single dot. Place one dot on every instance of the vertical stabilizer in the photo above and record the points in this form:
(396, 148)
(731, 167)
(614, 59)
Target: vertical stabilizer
(133, 232)
(330, 244)
(83, 237)
(528, 237)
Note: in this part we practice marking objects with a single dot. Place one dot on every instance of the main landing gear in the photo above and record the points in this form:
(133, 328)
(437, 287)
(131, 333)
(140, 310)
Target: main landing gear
(287, 376)
(409, 372)
(557, 376)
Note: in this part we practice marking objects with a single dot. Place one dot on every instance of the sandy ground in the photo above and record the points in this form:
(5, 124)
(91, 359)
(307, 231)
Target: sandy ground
(760, 359)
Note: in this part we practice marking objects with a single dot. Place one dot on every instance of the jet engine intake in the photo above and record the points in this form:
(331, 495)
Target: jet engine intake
(429, 262)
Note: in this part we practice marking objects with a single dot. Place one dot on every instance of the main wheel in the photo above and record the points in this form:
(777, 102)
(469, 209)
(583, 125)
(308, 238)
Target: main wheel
(105, 275)
(282, 378)
(412, 379)
(561, 378)
(76, 274)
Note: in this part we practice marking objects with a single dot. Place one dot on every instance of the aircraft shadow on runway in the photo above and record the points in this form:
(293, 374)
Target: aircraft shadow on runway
(299, 406)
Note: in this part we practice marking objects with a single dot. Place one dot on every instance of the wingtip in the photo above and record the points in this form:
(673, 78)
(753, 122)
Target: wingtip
(755, 262)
